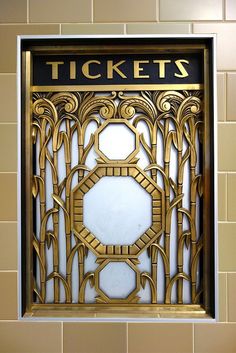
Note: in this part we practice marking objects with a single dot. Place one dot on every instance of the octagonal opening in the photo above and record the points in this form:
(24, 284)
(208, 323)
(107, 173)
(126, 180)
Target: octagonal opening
(117, 141)
(117, 210)
(117, 280)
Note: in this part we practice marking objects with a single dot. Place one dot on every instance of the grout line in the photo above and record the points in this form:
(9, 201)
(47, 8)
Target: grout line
(9, 271)
(231, 272)
(226, 203)
(196, 21)
(62, 341)
(127, 333)
(125, 28)
(227, 171)
(222, 272)
(8, 172)
(158, 10)
(59, 28)
(193, 337)
(92, 11)
(224, 10)
(7, 73)
(226, 70)
(227, 222)
(8, 123)
(27, 13)
(191, 27)
(31, 23)
(8, 222)
(227, 122)
(226, 299)
(225, 94)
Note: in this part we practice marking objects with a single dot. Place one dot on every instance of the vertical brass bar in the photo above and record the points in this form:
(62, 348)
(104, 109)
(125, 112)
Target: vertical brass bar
(27, 71)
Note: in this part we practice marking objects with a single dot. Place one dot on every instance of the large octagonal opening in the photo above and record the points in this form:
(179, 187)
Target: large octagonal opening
(117, 210)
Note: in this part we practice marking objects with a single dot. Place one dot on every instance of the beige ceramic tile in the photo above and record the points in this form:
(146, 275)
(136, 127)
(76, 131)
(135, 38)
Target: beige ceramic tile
(185, 10)
(231, 89)
(227, 147)
(231, 197)
(230, 9)
(60, 11)
(227, 246)
(222, 277)
(8, 302)
(226, 46)
(8, 35)
(146, 28)
(8, 197)
(231, 297)
(98, 28)
(124, 11)
(222, 197)
(8, 144)
(94, 337)
(159, 338)
(221, 94)
(215, 338)
(13, 11)
(30, 337)
(8, 246)
(7, 98)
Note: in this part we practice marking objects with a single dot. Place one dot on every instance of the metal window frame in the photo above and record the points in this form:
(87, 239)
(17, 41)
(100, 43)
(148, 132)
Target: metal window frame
(127, 316)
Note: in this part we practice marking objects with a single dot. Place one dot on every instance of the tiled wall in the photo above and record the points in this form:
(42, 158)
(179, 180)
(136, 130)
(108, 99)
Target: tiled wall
(118, 17)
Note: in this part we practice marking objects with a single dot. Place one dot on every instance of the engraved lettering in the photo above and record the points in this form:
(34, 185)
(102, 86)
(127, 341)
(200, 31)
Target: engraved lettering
(138, 69)
(55, 65)
(86, 69)
(72, 70)
(181, 68)
(162, 67)
(114, 67)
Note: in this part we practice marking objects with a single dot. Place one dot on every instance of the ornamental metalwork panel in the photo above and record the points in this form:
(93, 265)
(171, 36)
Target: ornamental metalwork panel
(117, 197)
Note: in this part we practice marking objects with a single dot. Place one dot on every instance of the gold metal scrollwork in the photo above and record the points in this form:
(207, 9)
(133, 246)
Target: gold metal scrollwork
(176, 116)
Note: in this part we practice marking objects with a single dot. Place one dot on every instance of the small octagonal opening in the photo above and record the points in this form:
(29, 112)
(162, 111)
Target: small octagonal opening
(117, 141)
(117, 210)
(117, 280)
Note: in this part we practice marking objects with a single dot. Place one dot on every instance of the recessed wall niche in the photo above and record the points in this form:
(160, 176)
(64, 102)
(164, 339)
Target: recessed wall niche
(117, 177)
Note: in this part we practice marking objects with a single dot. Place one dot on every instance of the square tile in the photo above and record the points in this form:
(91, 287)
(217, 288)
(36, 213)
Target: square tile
(185, 10)
(8, 302)
(8, 35)
(227, 246)
(232, 297)
(215, 338)
(125, 11)
(226, 147)
(8, 144)
(231, 87)
(8, 246)
(66, 11)
(8, 197)
(152, 28)
(94, 337)
(159, 338)
(13, 11)
(222, 196)
(8, 98)
(30, 337)
(221, 96)
(226, 46)
(231, 196)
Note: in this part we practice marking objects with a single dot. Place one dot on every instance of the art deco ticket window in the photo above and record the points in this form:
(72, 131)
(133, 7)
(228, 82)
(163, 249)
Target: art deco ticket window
(117, 177)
